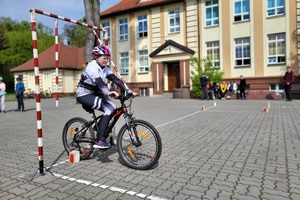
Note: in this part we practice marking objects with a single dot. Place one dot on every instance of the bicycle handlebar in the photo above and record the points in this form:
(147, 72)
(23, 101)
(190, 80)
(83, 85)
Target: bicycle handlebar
(124, 95)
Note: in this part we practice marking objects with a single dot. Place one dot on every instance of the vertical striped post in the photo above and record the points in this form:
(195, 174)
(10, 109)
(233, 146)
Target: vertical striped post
(37, 91)
(56, 62)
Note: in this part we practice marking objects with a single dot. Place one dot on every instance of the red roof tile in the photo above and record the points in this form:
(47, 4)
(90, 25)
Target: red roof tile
(129, 5)
(70, 57)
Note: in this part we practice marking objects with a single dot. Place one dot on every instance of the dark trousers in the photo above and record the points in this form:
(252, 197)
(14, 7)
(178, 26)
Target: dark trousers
(20, 102)
(242, 93)
(288, 94)
(204, 93)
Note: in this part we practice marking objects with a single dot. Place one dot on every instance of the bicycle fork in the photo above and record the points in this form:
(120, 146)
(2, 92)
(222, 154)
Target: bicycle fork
(131, 126)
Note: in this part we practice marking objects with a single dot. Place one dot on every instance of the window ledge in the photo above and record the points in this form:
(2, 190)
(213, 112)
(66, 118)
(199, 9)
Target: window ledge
(242, 21)
(274, 16)
(242, 66)
(212, 26)
(275, 64)
(143, 72)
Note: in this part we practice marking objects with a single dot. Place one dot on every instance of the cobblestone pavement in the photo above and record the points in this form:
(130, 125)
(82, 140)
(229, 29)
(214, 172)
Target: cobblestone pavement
(232, 150)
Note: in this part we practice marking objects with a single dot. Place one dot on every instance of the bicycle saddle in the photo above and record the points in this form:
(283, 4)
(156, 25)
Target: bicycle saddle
(88, 109)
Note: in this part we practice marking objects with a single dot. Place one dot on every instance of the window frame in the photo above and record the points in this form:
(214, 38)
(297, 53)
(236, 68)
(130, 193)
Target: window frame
(241, 43)
(107, 28)
(279, 44)
(214, 20)
(144, 24)
(176, 18)
(124, 66)
(143, 61)
(123, 29)
(276, 8)
(243, 15)
(213, 46)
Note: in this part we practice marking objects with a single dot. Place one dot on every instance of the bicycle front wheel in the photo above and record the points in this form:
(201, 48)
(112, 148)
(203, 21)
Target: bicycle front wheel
(143, 149)
(77, 135)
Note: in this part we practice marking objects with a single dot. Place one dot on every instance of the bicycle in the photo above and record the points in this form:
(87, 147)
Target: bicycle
(138, 143)
(29, 95)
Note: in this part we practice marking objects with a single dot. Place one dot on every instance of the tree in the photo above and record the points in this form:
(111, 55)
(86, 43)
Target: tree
(75, 33)
(3, 40)
(214, 74)
(16, 45)
(92, 14)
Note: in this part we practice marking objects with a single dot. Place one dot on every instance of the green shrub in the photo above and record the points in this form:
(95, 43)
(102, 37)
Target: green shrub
(213, 73)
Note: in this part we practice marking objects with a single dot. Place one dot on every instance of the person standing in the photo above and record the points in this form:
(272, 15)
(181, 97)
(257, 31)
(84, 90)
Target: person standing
(203, 83)
(242, 88)
(288, 81)
(19, 92)
(2, 95)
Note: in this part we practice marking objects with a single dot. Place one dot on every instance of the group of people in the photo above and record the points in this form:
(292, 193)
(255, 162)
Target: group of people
(19, 92)
(212, 90)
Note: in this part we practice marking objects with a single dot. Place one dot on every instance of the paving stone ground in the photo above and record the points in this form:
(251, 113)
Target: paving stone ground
(232, 150)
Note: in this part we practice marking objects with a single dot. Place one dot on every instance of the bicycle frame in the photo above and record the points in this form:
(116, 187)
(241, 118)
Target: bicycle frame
(116, 115)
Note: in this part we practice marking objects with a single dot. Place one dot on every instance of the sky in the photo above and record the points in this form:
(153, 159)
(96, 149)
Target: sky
(74, 9)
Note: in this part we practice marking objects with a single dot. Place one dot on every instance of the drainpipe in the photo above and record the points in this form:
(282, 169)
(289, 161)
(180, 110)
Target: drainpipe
(198, 26)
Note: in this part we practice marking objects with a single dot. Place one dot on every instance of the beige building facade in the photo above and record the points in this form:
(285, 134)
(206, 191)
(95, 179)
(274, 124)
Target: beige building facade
(256, 39)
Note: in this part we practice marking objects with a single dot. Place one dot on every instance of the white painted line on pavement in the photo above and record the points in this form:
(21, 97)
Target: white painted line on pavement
(111, 188)
(180, 118)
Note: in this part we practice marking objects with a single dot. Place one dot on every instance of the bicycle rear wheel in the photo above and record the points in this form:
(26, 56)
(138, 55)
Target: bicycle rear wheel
(145, 155)
(77, 135)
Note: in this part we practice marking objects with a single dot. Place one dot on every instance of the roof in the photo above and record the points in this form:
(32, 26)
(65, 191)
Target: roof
(69, 57)
(126, 6)
(173, 43)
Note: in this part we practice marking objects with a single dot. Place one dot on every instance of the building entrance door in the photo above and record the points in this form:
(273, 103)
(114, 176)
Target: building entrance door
(173, 76)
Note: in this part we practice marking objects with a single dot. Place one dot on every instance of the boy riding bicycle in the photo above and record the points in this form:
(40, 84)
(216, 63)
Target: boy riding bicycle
(92, 92)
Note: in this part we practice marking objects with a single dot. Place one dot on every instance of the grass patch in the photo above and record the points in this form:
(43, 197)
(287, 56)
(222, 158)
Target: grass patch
(10, 97)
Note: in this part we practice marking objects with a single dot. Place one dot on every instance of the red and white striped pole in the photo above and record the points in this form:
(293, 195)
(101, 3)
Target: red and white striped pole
(56, 62)
(112, 63)
(65, 19)
(37, 91)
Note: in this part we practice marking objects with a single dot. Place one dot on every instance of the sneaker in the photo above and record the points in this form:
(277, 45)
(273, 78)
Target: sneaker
(4, 111)
(101, 144)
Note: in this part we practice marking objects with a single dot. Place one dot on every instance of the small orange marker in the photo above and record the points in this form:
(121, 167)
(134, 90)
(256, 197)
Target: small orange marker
(74, 157)
(265, 109)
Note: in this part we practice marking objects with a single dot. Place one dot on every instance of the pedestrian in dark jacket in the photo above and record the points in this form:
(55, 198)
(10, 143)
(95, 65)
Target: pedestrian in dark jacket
(242, 88)
(19, 92)
(203, 82)
(288, 81)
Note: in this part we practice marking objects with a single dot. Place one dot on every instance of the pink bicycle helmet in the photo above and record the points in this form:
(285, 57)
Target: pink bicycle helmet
(101, 50)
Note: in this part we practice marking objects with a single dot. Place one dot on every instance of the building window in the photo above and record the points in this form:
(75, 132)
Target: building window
(211, 12)
(106, 26)
(143, 57)
(124, 63)
(242, 52)
(123, 29)
(213, 53)
(174, 20)
(143, 26)
(275, 7)
(241, 10)
(276, 43)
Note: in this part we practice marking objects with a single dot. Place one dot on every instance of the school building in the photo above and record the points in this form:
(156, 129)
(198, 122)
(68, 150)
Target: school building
(152, 42)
